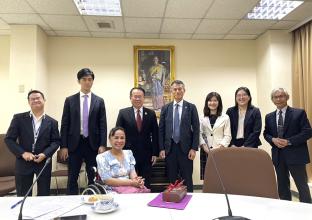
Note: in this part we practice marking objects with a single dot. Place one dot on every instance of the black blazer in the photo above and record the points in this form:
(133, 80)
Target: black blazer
(297, 130)
(144, 144)
(20, 137)
(189, 127)
(70, 128)
(252, 126)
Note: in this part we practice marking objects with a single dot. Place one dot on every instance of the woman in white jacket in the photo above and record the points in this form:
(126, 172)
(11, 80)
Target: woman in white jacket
(216, 126)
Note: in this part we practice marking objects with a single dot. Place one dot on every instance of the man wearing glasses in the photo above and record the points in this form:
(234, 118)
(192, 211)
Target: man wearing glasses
(287, 130)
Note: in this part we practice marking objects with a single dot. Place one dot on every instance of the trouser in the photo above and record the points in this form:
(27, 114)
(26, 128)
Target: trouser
(85, 153)
(177, 163)
(299, 174)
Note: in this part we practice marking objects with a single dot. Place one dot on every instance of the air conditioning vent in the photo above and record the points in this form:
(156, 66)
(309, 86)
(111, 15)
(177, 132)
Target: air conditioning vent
(106, 25)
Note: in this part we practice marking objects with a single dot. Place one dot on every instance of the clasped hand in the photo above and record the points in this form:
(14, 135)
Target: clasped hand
(138, 182)
(32, 157)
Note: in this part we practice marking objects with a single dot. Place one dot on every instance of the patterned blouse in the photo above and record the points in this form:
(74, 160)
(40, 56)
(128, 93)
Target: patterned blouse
(109, 167)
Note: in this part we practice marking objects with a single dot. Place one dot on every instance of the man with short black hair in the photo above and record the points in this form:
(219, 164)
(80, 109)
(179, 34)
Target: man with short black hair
(83, 130)
(33, 137)
(141, 130)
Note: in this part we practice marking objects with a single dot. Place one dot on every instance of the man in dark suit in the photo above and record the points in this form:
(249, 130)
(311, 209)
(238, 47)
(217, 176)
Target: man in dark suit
(32, 137)
(179, 136)
(141, 129)
(287, 130)
(83, 130)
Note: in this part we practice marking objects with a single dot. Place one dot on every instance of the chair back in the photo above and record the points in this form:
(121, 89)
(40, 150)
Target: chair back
(244, 171)
(7, 159)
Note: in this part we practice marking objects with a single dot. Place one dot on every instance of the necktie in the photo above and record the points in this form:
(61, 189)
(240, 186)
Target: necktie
(280, 124)
(85, 117)
(139, 120)
(176, 125)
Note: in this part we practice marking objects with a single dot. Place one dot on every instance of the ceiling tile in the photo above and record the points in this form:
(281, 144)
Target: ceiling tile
(143, 8)
(25, 19)
(15, 6)
(73, 33)
(215, 26)
(175, 36)
(141, 35)
(108, 35)
(142, 25)
(5, 32)
(65, 22)
(3, 25)
(302, 12)
(182, 26)
(252, 26)
(92, 21)
(231, 9)
(64, 7)
(187, 8)
(284, 25)
(241, 37)
(208, 36)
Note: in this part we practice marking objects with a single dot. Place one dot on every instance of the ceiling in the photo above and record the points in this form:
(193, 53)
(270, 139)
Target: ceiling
(157, 19)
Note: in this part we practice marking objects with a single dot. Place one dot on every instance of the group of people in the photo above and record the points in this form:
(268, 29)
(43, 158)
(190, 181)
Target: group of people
(137, 140)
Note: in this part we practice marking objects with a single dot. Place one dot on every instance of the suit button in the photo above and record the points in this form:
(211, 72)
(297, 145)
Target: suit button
(211, 135)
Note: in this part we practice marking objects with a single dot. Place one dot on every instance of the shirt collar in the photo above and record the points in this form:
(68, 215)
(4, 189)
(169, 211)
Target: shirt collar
(82, 94)
(179, 103)
(283, 110)
(31, 114)
(135, 109)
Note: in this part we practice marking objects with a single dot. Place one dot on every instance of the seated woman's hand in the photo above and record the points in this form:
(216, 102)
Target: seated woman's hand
(138, 182)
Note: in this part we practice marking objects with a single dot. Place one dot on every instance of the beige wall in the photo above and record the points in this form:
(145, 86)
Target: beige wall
(204, 66)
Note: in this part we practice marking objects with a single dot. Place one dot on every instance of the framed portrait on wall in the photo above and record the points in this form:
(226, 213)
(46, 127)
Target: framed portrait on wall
(154, 72)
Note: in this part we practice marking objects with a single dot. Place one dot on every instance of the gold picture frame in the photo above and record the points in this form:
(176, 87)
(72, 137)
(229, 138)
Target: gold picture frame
(154, 71)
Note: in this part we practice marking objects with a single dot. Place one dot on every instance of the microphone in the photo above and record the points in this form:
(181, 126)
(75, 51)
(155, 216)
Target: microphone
(229, 216)
(20, 216)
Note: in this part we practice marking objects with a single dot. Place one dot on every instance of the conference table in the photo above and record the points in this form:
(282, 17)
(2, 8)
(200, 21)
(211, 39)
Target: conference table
(134, 206)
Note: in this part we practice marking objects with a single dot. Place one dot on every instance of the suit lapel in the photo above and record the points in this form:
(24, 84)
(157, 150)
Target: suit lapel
(92, 104)
(29, 125)
(247, 116)
(219, 120)
(170, 113)
(43, 126)
(273, 122)
(131, 116)
(184, 111)
(288, 117)
(235, 120)
(145, 119)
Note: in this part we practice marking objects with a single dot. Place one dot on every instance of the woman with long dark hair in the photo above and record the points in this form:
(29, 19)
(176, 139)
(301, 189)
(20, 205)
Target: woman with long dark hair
(215, 125)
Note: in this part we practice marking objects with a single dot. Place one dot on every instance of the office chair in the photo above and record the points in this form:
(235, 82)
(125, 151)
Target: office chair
(7, 168)
(243, 170)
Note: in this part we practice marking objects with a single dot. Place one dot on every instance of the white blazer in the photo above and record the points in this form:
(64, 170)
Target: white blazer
(219, 134)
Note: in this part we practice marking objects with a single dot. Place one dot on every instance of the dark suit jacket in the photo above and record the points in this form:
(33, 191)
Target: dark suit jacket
(297, 130)
(189, 127)
(70, 128)
(20, 137)
(252, 126)
(144, 144)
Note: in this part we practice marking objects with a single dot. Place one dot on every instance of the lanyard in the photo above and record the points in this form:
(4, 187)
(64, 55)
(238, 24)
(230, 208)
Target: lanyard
(36, 133)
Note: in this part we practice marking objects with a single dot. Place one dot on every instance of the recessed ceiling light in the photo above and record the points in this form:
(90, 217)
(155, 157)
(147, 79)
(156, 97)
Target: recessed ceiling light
(272, 9)
(99, 7)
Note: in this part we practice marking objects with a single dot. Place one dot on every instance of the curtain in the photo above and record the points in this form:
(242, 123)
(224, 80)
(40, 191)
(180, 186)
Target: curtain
(302, 75)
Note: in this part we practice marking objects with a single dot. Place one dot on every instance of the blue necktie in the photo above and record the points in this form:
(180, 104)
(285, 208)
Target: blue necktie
(176, 125)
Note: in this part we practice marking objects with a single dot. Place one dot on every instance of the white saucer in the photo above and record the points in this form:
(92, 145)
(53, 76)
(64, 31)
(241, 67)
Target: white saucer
(114, 207)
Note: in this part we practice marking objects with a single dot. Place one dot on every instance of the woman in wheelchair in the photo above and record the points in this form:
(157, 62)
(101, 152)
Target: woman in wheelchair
(116, 167)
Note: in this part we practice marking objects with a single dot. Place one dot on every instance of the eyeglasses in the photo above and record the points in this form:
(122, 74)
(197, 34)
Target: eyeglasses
(279, 96)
